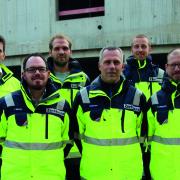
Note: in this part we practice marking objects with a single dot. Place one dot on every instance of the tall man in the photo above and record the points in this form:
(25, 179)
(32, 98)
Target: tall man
(109, 115)
(67, 74)
(139, 69)
(164, 124)
(34, 123)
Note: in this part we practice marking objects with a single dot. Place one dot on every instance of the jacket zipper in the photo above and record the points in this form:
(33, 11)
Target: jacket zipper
(46, 127)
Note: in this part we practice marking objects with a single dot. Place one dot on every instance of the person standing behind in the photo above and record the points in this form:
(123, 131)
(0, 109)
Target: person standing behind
(67, 75)
(164, 124)
(139, 69)
(109, 114)
(8, 83)
(34, 123)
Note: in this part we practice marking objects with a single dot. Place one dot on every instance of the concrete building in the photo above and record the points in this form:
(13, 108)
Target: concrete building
(27, 26)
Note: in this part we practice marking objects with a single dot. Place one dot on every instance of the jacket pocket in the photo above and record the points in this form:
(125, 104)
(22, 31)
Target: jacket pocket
(162, 117)
(21, 119)
(95, 114)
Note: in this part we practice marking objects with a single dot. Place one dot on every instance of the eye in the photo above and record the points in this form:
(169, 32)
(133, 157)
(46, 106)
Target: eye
(116, 63)
(56, 48)
(143, 46)
(65, 48)
(136, 46)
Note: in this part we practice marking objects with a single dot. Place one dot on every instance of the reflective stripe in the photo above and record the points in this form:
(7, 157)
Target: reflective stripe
(82, 178)
(33, 146)
(160, 74)
(60, 105)
(150, 138)
(84, 95)
(73, 155)
(9, 100)
(136, 99)
(168, 141)
(141, 139)
(110, 142)
(154, 99)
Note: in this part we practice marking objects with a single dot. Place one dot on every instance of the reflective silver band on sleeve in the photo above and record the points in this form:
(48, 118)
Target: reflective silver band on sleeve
(84, 96)
(9, 100)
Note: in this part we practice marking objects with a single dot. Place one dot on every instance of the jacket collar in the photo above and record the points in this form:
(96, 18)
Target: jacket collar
(73, 65)
(50, 89)
(170, 86)
(132, 61)
(6, 73)
(119, 87)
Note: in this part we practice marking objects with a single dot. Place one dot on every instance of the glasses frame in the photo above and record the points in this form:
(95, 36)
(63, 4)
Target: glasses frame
(173, 66)
(33, 70)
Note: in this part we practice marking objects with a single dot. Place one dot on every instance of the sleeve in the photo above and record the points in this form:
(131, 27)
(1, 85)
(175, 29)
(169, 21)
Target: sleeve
(3, 125)
(66, 124)
(151, 121)
(73, 129)
(77, 124)
(142, 120)
(3, 129)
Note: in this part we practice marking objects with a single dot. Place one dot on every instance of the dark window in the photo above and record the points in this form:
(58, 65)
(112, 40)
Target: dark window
(90, 66)
(73, 9)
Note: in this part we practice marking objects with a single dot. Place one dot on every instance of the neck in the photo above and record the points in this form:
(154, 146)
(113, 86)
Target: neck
(37, 94)
(61, 69)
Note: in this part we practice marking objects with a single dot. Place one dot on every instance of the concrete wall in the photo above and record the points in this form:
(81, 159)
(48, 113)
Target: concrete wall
(28, 25)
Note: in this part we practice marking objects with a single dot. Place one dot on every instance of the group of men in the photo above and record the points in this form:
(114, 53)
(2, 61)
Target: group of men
(55, 124)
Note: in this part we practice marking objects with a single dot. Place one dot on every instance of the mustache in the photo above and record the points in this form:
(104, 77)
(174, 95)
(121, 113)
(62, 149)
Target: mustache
(37, 77)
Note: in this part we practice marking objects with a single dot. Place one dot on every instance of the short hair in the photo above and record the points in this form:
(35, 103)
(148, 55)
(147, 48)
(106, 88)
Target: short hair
(31, 55)
(141, 36)
(173, 52)
(59, 36)
(2, 40)
(110, 48)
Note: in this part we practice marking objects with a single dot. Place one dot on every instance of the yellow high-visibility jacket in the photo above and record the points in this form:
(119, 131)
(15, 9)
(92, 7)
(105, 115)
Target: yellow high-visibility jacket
(34, 135)
(109, 121)
(164, 132)
(8, 83)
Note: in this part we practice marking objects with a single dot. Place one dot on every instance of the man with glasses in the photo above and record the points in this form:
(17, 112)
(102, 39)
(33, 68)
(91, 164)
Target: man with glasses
(164, 123)
(34, 124)
(67, 75)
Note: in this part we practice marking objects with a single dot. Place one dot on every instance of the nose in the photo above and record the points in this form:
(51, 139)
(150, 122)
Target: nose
(61, 51)
(139, 48)
(177, 67)
(37, 71)
(112, 65)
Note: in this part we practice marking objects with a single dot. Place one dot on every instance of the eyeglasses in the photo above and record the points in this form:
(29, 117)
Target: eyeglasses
(34, 69)
(173, 66)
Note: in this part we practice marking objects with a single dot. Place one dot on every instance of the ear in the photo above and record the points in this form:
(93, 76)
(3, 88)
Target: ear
(70, 52)
(123, 65)
(99, 66)
(48, 73)
(23, 75)
(166, 66)
(150, 49)
(3, 57)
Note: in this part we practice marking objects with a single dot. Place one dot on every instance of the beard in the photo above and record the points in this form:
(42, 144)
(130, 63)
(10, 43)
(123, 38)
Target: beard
(60, 64)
